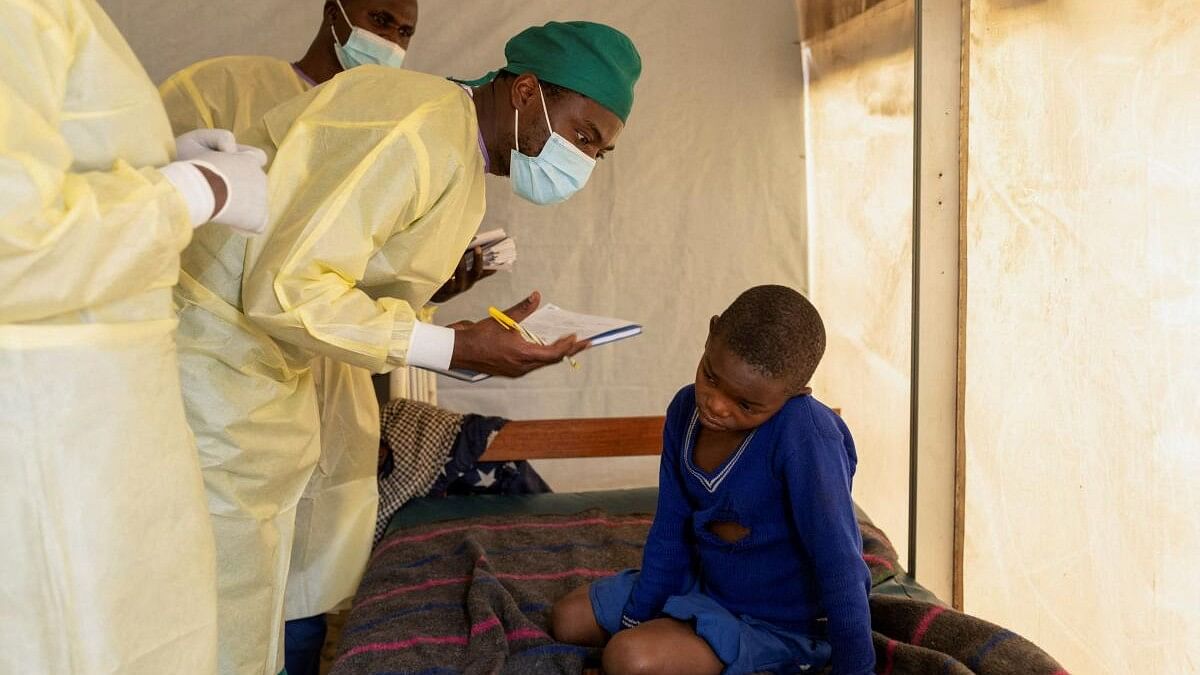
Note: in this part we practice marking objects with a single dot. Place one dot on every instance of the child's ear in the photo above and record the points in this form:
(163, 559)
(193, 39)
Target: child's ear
(712, 329)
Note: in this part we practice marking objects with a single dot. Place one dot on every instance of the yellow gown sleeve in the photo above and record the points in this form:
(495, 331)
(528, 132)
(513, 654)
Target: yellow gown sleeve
(72, 238)
(185, 104)
(368, 220)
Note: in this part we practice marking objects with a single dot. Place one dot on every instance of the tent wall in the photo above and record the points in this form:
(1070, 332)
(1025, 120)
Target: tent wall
(859, 132)
(170, 35)
(1083, 357)
(703, 198)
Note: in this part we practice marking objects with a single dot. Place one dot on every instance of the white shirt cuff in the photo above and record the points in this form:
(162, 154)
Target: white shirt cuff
(193, 187)
(430, 346)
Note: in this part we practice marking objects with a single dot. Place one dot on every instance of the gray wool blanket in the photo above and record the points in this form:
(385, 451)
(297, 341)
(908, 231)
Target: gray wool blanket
(473, 596)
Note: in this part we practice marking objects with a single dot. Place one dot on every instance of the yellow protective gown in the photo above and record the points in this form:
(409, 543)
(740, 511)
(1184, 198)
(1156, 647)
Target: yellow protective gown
(254, 526)
(230, 92)
(335, 522)
(407, 172)
(376, 188)
(335, 518)
(107, 553)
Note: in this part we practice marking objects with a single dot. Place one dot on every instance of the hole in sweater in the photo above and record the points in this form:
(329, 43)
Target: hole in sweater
(729, 531)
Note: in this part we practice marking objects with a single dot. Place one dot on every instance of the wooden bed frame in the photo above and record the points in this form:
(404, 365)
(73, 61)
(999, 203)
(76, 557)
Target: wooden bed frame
(578, 438)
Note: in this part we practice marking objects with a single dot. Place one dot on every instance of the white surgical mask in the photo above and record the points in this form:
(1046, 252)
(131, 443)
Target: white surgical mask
(559, 171)
(364, 47)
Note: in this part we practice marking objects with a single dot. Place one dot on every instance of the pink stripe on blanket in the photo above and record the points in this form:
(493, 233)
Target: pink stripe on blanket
(433, 583)
(877, 560)
(607, 522)
(485, 625)
(549, 576)
(403, 644)
(925, 623)
(481, 627)
(890, 658)
(518, 634)
(526, 634)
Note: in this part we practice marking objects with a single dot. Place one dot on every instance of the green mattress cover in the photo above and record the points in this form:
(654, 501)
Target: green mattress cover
(425, 510)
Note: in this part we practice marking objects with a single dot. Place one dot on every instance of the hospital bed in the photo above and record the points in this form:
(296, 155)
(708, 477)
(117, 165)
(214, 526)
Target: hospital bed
(465, 584)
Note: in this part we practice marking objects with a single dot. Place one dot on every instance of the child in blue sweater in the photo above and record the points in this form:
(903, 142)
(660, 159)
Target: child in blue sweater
(754, 562)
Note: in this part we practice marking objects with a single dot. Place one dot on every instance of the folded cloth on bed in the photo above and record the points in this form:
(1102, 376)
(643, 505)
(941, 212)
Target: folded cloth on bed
(464, 475)
(430, 451)
(473, 596)
(416, 437)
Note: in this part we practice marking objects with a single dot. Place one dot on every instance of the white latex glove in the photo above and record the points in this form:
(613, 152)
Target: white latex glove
(245, 208)
(194, 143)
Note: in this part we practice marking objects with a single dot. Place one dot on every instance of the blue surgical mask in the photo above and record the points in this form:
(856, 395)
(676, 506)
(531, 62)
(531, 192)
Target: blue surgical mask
(559, 171)
(364, 47)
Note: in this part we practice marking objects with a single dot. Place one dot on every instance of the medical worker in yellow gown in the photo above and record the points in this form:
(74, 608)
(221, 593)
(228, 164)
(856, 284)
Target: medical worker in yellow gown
(106, 553)
(335, 516)
(376, 188)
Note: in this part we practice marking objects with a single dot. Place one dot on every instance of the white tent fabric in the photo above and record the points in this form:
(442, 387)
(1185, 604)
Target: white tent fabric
(1083, 363)
(859, 126)
(167, 36)
(703, 198)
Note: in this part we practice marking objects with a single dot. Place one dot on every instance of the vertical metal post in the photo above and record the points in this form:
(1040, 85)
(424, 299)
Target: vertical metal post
(934, 401)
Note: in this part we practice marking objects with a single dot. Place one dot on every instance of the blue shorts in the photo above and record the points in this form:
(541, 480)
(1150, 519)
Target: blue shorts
(744, 644)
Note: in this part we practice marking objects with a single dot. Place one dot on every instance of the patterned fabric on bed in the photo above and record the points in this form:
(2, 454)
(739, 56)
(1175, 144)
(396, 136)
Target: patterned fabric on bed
(473, 596)
(416, 437)
(430, 451)
(463, 473)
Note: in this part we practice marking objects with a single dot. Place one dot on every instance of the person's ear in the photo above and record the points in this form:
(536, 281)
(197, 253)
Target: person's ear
(524, 89)
(330, 12)
(712, 330)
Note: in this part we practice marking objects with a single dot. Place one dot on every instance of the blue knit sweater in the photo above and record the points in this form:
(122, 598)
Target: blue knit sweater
(789, 485)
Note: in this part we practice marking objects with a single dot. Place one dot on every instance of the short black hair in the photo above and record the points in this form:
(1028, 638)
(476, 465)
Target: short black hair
(775, 330)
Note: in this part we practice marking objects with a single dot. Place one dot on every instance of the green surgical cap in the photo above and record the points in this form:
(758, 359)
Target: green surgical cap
(592, 59)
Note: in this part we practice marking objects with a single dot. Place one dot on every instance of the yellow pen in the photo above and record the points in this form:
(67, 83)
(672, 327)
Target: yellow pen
(508, 322)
